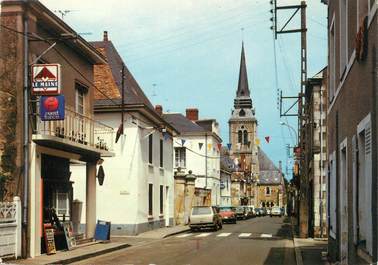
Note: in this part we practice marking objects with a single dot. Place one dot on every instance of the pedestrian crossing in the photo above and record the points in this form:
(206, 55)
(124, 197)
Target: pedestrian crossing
(223, 235)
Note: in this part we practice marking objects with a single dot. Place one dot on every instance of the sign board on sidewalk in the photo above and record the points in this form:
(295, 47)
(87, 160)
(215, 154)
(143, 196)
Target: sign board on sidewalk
(68, 232)
(45, 79)
(49, 239)
(51, 108)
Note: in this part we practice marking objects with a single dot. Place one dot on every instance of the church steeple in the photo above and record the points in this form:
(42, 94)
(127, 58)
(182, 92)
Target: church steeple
(243, 99)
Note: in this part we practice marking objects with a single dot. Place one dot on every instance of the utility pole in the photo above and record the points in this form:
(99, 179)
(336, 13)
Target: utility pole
(298, 99)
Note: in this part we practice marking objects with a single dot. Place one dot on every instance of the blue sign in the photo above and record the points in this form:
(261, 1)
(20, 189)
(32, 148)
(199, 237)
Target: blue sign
(51, 108)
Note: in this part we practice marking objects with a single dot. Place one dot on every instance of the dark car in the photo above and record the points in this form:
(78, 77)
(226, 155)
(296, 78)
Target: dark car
(257, 211)
(228, 214)
(241, 212)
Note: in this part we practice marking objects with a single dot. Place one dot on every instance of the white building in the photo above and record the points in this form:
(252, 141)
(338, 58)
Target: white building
(198, 149)
(227, 166)
(137, 193)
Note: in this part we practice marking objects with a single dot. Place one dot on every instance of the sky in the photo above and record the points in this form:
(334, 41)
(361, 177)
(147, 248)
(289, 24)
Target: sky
(186, 53)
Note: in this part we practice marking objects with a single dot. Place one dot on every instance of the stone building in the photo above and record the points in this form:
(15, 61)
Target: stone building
(352, 131)
(242, 136)
(315, 158)
(270, 184)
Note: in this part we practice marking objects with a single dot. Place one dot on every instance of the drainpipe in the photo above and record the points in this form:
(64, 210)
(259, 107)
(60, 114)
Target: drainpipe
(321, 162)
(206, 160)
(26, 138)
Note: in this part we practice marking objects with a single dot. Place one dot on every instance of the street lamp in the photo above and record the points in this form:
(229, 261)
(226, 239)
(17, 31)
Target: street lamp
(291, 128)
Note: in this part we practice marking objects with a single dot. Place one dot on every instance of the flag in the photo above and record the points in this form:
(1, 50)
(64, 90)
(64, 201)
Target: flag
(182, 142)
(219, 147)
(200, 145)
(267, 139)
(257, 141)
(229, 146)
(209, 146)
(119, 132)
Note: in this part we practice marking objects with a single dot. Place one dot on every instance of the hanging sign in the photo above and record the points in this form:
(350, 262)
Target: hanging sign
(45, 79)
(51, 108)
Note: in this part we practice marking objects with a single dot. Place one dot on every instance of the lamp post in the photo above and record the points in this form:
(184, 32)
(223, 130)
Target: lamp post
(291, 128)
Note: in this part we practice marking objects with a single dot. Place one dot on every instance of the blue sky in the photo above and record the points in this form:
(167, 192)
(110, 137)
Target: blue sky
(186, 53)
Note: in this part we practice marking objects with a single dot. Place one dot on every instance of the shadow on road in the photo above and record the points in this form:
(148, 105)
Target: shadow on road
(280, 256)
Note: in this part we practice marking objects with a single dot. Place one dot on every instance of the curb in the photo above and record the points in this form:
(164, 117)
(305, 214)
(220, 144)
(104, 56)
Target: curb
(297, 250)
(176, 233)
(90, 255)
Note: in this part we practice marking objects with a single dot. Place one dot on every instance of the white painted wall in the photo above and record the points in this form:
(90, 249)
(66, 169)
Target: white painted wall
(196, 162)
(123, 198)
(226, 191)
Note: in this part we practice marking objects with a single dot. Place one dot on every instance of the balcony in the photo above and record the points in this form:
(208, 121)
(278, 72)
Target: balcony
(76, 133)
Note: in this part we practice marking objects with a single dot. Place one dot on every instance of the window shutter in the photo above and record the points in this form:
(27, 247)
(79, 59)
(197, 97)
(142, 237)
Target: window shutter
(355, 186)
(368, 187)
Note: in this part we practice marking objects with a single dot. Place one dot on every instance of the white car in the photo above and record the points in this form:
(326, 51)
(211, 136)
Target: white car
(275, 211)
(205, 217)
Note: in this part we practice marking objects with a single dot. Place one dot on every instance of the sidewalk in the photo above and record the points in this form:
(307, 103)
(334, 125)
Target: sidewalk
(94, 249)
(309, 251)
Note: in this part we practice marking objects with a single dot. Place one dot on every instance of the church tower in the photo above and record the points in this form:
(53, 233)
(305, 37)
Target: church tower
(243, 129)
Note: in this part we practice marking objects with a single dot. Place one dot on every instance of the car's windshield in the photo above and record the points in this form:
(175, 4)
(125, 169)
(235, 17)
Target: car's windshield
(239, 209)
(226, 209)
(276, 209)
(201, 210)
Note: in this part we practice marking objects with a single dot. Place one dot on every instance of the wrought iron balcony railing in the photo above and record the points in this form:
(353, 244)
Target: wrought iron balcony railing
(78, 128)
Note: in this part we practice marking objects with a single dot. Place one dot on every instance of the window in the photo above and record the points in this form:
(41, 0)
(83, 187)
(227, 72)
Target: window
(80, 91)
(267, 191)
(150, 199)
(161, 199)
(62, 204)
(161, 153)
(240, 136)
(180, 157)
(150, 142)
(245, 136)
(343, 35)
(332, 195)
(332, 61)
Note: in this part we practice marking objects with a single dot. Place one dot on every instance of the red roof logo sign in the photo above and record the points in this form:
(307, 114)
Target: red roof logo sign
(45, 79)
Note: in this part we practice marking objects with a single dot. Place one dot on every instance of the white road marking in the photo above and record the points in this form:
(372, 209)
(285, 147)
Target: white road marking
(244, 234)
(223, 234)
(184, 235)
(266, 235)
(203, 235)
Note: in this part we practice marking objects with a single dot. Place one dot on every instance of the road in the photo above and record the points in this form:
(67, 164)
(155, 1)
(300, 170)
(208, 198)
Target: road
(262, 240)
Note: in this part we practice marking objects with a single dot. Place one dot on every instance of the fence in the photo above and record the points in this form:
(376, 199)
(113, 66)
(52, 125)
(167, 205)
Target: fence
(10, 228)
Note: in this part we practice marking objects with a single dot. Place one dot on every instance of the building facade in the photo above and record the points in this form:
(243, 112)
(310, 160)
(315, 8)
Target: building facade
(40, 171)
(198, 148)
(352, 131)
(138, 191)
(316, 153)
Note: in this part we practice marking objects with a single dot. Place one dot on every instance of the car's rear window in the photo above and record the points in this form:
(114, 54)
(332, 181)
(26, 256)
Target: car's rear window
(225, 209)
(201, 210)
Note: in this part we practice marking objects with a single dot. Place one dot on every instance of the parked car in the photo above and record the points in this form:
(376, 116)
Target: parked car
(248, 212)
(263, 212)
(240, 213)
(253, 210)
(205, 217)
(228, 214)
(257, 211)
(267, 211)
(275, 211)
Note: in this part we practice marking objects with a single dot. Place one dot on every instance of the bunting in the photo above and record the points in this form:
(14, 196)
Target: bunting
(166, 136)
(267, 139)
(229, 146)
(209, 147)
(257, 141)
(182, 142)
(119, 132)
(200, 145)
(219, 147)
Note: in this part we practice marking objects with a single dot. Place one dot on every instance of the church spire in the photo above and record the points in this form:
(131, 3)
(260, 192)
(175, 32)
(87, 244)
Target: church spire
(243, 89)
(243, 99)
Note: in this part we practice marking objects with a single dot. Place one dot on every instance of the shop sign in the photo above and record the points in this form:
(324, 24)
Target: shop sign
(51, 108)
(45, 79)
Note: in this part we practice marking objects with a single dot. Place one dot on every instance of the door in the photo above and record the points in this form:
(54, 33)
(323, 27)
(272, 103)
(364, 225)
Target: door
(343, 203)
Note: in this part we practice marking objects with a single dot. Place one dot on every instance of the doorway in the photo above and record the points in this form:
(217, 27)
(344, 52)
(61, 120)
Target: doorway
(343, 203)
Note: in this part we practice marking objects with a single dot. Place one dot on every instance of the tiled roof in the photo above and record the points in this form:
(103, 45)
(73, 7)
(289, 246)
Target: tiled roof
(264, 161)
(181, 123)
(133, 92)
(269, 173)
(227, 164)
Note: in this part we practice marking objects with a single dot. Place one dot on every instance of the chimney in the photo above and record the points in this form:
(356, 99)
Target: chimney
(106, 36)
(159, 109)
(192, 114)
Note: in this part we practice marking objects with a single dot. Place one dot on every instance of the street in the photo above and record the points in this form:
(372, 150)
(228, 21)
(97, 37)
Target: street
(263, 240)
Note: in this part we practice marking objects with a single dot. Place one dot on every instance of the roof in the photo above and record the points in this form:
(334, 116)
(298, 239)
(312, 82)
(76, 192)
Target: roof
(264, 161)
(206, 124)
(269, 173)
(227, 164)
(181, 123)
(133, 93)
(243, 88)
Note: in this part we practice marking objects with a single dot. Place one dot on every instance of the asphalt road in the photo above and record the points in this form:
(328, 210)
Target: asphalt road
(262, 240)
